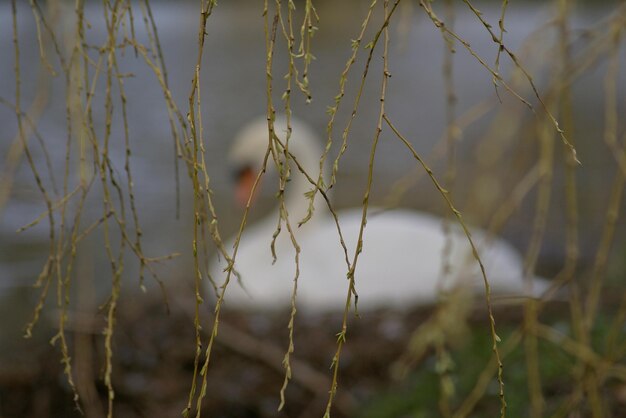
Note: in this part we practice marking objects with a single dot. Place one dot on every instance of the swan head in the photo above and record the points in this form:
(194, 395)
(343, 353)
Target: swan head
(248, 155)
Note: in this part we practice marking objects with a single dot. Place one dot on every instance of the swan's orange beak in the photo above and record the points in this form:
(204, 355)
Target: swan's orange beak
(245, 182)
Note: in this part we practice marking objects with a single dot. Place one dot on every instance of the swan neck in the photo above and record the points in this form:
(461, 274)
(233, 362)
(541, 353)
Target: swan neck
(297, 197)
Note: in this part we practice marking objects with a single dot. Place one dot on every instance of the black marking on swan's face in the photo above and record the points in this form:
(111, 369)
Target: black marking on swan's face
(242, 172)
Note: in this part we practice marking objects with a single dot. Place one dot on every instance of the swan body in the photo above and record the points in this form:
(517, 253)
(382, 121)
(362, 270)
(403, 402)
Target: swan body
(402, 256)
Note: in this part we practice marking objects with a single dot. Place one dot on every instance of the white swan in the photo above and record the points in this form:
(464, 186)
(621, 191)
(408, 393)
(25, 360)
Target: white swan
(400, 266)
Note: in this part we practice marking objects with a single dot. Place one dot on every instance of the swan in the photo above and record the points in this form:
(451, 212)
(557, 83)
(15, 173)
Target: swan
(400, 266)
